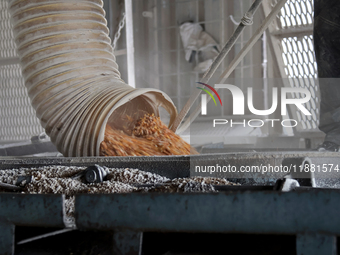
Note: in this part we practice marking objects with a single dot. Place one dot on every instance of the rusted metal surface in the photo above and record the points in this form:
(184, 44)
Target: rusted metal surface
(233, 212)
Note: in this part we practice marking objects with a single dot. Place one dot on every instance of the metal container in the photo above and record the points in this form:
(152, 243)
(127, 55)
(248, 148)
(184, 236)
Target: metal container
(71, 73)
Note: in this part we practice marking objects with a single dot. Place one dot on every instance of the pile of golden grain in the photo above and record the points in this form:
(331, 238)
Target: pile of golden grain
(147, 137)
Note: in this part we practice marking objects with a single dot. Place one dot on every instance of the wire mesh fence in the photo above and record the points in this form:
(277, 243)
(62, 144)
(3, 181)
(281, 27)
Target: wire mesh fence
(17, 117)
(296, 34)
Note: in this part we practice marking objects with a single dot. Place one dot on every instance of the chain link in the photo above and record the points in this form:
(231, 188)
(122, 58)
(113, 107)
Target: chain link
(117, 34)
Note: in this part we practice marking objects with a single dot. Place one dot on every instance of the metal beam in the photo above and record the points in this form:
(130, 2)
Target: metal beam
(120, 52)
(262, 212)
(180, 166)
(130, 44)
(293, 31)
(32, 210)
(168, 166)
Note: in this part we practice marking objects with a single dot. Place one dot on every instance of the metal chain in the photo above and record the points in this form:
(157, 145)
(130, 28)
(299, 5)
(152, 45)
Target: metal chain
(117, 34)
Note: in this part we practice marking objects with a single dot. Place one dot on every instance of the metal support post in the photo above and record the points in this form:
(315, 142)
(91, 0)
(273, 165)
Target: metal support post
(6, 239)
(130, 44)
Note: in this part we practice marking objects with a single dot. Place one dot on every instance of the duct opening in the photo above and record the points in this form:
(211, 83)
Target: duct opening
(125, 114)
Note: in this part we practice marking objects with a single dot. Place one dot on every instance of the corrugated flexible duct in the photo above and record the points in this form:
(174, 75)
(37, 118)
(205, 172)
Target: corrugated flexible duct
(71, 74)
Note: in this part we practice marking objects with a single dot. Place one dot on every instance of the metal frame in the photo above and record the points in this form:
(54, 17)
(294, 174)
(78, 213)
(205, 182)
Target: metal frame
(311, 215)
(184, 166)
(129, 215)
(27, 210)
(232, 212)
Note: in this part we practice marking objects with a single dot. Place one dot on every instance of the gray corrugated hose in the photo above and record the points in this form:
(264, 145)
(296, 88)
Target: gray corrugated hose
(71, 74)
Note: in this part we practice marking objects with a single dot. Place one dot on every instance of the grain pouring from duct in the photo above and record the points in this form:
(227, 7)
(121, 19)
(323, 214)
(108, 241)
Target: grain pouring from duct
(148, 136)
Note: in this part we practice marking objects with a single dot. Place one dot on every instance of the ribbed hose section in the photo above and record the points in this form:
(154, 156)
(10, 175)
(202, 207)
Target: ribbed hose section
(71, 74)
